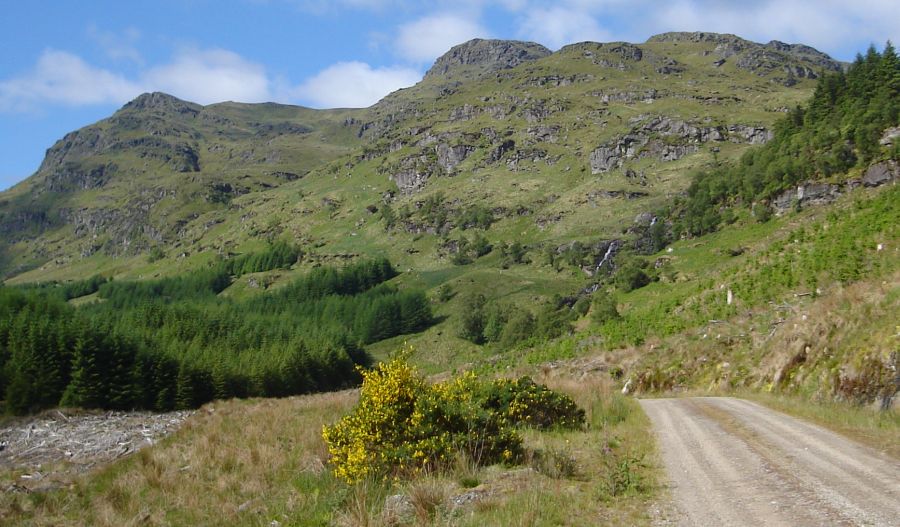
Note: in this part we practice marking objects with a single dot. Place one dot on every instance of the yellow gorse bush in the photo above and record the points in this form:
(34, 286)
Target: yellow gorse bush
(403, 425)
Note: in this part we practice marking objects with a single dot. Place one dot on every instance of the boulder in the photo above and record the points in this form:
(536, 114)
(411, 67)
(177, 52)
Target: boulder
(890, 136)
(881, 173)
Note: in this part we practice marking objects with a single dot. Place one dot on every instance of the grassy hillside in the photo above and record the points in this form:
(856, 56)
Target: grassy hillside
(190, 181)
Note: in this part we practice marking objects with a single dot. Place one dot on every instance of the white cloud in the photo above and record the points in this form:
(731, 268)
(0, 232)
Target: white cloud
(825, 24)
(432, 36)
(558, 26)
(60, 77)
(118, 46)
(834, 26)
(208, 76)
(354, 85)
(203, 76)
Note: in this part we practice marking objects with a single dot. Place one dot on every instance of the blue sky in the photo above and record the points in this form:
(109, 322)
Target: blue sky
(66, 64)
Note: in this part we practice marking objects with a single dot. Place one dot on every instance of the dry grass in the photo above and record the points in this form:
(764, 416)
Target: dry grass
(569, 480)
(235, 462)
(259, 461)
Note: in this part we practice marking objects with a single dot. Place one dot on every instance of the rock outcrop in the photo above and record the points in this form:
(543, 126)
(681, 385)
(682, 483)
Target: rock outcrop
(450, 156)
(486, 56)
(668, 140)
(812, 193)
(881, 173)
(794, 61)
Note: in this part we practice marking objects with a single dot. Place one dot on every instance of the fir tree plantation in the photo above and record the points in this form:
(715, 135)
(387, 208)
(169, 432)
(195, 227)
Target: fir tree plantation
(172, 343)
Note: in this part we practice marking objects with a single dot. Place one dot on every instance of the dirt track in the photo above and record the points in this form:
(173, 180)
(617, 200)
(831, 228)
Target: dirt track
(732, 462)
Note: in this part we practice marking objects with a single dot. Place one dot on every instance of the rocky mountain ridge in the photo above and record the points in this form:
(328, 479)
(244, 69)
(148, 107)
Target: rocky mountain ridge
(162, 171)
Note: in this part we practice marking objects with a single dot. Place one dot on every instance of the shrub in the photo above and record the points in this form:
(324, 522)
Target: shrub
(603, 308)
(523, 402)
(631, 275)
(472, 318)
(402, 425)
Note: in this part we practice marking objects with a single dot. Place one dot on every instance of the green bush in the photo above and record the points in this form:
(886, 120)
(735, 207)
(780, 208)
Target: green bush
(603, 308)
(632, 276)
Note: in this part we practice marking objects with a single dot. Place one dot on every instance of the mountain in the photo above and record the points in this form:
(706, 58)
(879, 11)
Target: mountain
(126, 183)
(558, 146)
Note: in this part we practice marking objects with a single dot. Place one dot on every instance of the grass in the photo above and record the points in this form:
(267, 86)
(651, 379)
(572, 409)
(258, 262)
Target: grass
(235, 462)
(258, 461)
(605, 475)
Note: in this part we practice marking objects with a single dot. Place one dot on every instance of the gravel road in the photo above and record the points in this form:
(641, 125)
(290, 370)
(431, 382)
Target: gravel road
(732, 462)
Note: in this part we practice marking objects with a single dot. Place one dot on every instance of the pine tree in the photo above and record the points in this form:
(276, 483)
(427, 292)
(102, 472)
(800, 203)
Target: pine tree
(185, 393)
(86, 388)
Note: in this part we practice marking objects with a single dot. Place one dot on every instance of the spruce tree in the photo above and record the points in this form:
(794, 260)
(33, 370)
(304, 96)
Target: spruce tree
(87, 387)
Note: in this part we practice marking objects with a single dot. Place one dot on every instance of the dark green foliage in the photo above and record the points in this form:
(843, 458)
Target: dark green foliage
(279, 255)
(155, 254)
(474, 217)
(658, 236)
(445, 292)
(67, 290)
(173, 343)
(199, 285)
(554, 319)
(582, 306)
(468, 251)
(761, 212)
(519, 327)
(434, 211)
(632, 275)
(525, 403)
(603, 308)
(839, 129)
(327, 281)
(472, 318)
(507, 324)
(388, 217)
(512, 254)
(481, 246)
(462, 255)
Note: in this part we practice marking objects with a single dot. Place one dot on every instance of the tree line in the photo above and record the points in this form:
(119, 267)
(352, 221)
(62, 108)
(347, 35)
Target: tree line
(174, 343)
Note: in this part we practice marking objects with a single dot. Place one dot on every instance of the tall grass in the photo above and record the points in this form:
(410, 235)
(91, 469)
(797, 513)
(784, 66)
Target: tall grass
(256, 462)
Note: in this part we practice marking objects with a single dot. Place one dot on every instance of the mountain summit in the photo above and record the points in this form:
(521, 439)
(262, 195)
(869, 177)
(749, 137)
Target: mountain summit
(482, 56)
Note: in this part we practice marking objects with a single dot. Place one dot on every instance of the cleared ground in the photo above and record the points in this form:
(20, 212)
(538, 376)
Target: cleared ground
(732, 462)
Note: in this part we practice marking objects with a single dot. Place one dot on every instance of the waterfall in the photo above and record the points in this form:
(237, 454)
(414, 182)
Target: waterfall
(613, 245)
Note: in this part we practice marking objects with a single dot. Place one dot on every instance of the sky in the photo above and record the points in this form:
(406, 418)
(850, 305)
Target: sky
(65, 64)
